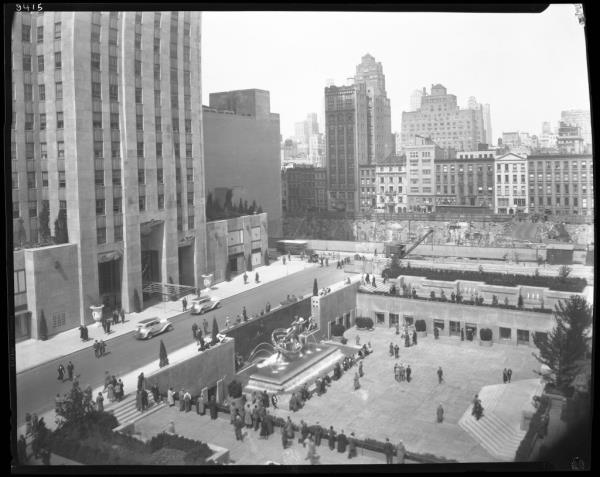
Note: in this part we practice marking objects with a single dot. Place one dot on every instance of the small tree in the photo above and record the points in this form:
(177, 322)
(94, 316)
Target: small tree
(234, 389)
(43, 327)
(215, 331)
(163, 359)
(44, 221)
(315, 288)
(75, 406)
(246, 208)
(566, 345)
(240, 207)
(494, 300)
(564, 272)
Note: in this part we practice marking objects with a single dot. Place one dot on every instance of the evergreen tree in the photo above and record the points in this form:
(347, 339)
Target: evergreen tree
(215, 331)
(228, 271)
(60, 227)
(246, 207)
(249, 266)
(240, 207)
(259, 210)
(253, 207)
(43, 327)
(267, 262)
(228, 198)
(76, 404)
(22, 235)
(315, 288)
(44, 220)
(163, 360)
(566, 345)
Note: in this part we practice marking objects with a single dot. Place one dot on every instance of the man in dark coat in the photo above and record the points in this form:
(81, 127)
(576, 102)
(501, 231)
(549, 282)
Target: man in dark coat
(342, 442)
(107, 327)
(440, 374)
(504, 376)
(388, 450)
(396, 350)
(144, 396)
(70, 368)
(115, 316)
(318, 433)
(212, 406)
(184, 303)
(195, 331)
(391, 349)
(414, 337)
(331, 438)
(408, 371)
(61, 372)
(436, 332)
(509, 374)
(351, 446)
(122, 313)
(406, 340)
(141, 381)
(440, 413)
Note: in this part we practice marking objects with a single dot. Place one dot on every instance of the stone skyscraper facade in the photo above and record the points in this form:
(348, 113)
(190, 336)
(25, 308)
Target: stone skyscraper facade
(107, 131)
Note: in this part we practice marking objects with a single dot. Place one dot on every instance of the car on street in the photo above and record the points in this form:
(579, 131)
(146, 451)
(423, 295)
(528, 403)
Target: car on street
(150, 327)
(203, 304)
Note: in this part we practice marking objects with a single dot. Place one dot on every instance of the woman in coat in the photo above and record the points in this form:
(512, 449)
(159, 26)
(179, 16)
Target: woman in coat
(170, 397)
(100, 402)
(111, 392)
(187, 399)
(248, 414)
(181, 400)
(255, 417)
(342, 442)
(289, 428)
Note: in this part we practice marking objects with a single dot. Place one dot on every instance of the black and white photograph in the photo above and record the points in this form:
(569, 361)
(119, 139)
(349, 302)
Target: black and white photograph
(299, 235)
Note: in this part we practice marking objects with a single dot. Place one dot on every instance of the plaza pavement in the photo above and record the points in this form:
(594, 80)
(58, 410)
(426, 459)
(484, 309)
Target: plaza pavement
(405, 411)
(31, 353)
(252, 451)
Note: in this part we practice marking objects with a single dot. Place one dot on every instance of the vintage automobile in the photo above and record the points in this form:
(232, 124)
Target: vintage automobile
(203, 304)
(150, 327)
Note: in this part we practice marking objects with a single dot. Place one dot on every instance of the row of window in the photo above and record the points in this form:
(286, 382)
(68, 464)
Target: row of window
(41, 62)
(26, 32)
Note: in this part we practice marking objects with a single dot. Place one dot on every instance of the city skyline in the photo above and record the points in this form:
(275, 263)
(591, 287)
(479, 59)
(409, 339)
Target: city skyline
(507, 72)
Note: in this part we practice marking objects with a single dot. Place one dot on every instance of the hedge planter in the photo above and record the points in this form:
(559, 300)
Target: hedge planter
(485, 343)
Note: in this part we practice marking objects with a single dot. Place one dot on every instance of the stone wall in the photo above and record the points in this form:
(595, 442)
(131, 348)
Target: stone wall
(52, 276)
(482, 317)
(338, 306)
(199, 371)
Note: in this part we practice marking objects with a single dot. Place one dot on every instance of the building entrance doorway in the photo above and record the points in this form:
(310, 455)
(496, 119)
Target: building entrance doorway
(109, 283)
(150, 266)
(186, 265)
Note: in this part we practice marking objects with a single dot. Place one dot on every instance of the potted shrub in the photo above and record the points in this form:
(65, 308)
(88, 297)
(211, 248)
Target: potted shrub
(485, 335)
(421, 328)
(337, 330)
(364, 322)
(235, 391)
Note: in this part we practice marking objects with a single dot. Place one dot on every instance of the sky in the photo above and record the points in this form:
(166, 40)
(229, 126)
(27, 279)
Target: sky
(528, 67)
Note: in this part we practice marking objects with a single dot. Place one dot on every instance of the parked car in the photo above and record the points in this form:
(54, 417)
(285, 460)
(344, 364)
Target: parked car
(203, 304)
(150, 327)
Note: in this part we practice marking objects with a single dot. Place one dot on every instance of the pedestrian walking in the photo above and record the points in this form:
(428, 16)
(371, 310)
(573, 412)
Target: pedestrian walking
(110, 392)
(414, 338)
(115, 316)
(256, 278)
(195, 331)
(212, 407)
(388, 450)
(122, 313)
(245, 278)
(85, 333)
(360, 369)
(237, 426)
(81, 333)
(408, 373)
(205, 326)
(102, 346)
(401, 372)
(244, 314)
(356, 382)
(170, 397)
(61, 373)
(100, 402)
(181, 401)
(351, 446)
(509, 374)
(70, 368)
(227, 323)
(187, 399)
(331, 438)
(440, 374)
(504, 376)
(440, 413)
(318, 433)
(391, 349)
(144, 396)
(119, 390)
(396, 350)
(141, 382)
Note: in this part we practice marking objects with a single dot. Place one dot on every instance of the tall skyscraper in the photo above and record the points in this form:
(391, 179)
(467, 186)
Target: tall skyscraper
(346, 138)
(107, 136)
(440, 119)
(487, 124)
(379, 123)
(580, 118)
(416, 98)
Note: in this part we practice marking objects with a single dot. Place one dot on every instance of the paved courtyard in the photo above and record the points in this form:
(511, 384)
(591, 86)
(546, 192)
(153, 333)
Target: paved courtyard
(405, 411)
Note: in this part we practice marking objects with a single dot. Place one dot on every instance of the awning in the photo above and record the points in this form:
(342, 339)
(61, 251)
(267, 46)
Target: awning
(109, 256)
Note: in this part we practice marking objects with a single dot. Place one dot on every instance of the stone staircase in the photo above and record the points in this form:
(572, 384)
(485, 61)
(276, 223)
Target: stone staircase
(497, 436)
(126, 412)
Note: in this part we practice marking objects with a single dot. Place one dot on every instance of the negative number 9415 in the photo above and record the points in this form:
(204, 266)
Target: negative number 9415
(29, 7)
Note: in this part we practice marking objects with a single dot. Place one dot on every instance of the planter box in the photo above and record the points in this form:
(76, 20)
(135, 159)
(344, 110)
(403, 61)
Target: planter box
(421, 334)
(485, 343)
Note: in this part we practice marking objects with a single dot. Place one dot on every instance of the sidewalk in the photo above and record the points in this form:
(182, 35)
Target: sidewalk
(32, 353)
